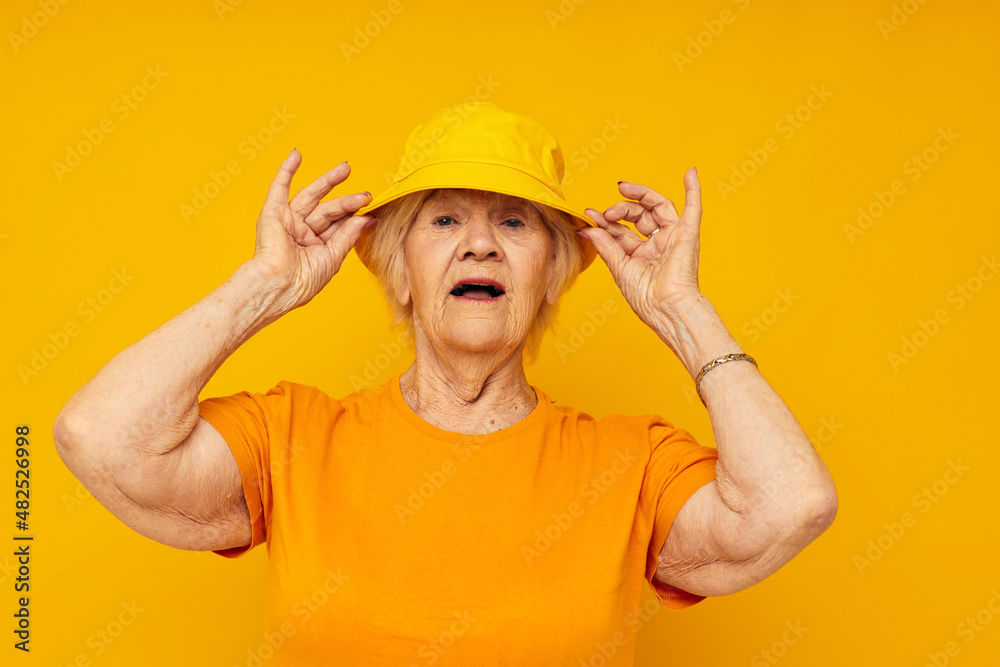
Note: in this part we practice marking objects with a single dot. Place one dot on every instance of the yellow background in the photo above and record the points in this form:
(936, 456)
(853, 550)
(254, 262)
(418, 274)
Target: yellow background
(576, 67)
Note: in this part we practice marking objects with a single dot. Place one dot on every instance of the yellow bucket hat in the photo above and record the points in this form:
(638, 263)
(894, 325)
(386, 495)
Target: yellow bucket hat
(483, 147)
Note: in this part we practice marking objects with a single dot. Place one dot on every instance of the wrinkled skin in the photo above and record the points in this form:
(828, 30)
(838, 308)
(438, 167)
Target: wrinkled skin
(470, 350)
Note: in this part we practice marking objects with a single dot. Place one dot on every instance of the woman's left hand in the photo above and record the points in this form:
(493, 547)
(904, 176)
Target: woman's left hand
(658, 274)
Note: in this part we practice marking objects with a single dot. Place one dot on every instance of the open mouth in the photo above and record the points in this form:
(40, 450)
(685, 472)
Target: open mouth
(480, 291)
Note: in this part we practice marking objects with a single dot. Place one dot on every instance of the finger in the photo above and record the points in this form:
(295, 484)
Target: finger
(619, 231)
(346, 234)
(660, 208)
(305, 200)
(608, 249)
(336, 226)
(278, 192)
(692, 197)
(327, 212)
(625, 237)
(634, 212)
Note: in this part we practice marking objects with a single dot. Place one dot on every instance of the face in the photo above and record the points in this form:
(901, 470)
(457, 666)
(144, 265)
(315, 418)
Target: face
(478, 266)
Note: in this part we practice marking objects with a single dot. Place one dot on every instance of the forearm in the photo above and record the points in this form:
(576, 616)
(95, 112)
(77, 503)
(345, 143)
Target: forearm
(768, 471)
(145, 400)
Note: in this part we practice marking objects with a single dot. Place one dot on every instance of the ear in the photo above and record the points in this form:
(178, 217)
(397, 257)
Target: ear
(553, 291)
(403, 287)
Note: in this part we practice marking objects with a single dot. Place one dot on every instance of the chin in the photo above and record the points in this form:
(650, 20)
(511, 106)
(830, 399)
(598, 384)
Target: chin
(480, 336)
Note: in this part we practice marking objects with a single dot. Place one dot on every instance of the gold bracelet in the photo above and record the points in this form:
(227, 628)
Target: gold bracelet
(718, 361)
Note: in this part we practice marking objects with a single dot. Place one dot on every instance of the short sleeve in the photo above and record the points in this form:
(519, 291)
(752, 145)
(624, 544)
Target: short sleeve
(678, 466)
(245, 421)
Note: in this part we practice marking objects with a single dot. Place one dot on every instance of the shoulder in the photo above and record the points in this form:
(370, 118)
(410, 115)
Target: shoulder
(305, 396)
(313, 398)
(619, 427)
(292, 399)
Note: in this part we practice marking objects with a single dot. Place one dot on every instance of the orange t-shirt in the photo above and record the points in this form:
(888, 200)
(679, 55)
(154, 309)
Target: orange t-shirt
(394, 542)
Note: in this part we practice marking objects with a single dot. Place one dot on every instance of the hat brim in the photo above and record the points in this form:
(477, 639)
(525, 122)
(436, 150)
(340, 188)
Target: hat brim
(483, 176)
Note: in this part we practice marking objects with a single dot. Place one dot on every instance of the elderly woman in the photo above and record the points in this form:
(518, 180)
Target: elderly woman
(457, 514)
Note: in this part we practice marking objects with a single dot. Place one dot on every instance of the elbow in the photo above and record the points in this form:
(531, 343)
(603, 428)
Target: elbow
(818, 514)
(802, 523)
(66, 441)
(73, 443)
(812, 509)
(68, 436)
(64, 433)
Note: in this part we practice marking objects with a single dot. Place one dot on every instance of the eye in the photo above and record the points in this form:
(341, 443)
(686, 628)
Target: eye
(443, 217)
(518, 222)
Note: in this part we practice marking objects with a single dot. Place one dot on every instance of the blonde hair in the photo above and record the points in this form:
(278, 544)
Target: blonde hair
(381, 248)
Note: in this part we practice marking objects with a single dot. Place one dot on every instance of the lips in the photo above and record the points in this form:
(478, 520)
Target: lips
(480, 289)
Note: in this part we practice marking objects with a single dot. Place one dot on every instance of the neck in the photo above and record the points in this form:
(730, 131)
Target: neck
(467, 392)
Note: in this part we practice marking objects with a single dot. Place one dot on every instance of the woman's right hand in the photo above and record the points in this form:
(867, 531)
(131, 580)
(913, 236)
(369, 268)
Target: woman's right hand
(302, 242)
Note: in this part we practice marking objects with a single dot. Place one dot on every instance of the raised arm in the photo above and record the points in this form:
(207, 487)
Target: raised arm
(772, 494)
(132, 434)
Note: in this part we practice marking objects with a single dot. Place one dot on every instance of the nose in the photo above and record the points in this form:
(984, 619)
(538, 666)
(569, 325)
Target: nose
(479, 240)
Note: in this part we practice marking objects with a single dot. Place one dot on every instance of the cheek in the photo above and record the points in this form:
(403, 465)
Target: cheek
(532, 270)
(426, 270)
(539, 273)
(539, 265)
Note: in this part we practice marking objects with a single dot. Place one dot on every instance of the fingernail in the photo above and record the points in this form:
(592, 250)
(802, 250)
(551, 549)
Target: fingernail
(370, 223)
(369, 195)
